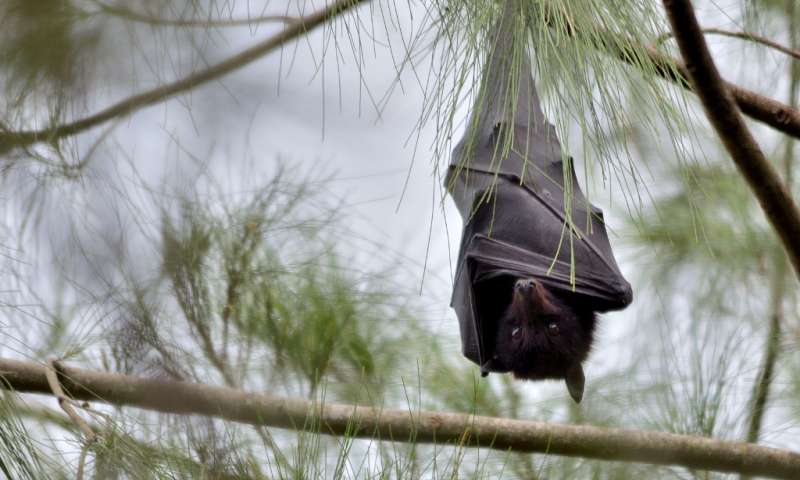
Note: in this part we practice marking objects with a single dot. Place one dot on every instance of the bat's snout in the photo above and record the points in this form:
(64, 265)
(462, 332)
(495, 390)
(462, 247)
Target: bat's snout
(525, 284)
(531, 288)
(533, 294)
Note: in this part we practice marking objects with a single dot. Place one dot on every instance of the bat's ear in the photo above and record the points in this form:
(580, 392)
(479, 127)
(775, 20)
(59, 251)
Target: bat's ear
(575, 382)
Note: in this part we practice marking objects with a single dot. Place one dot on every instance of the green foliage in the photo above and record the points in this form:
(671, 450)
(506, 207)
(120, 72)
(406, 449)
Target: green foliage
(712, 216)
(318, 322)
(43, 44)
(258, 283)
(20, 457)
(576, 48)
(706, 245)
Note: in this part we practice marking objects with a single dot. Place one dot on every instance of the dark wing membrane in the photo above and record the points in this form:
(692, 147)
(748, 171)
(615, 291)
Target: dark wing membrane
(514, 234)
(463, 302)
(508, 106)
(515, 229)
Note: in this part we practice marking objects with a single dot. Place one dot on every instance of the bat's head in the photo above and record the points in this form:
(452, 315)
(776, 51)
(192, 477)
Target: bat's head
(541, 336)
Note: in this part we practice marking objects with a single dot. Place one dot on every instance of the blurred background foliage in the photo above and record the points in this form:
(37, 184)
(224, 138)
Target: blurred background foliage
(154, 246)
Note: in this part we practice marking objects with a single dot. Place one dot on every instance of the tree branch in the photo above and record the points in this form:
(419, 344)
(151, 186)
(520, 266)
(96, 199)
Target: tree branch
(758, 402)
(741, 35)
(65, 402)
(777, 115)
(761, 108)
(10, 139)
(763, 179)
(404, 425)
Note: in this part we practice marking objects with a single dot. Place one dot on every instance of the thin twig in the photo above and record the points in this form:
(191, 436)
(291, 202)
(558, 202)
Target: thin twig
(66, 404)
(210, 352)
(761, 108)
(128, 14)
(401, 425)
(758, 402)
(772, 194)
(21, 139)
(794, 83)
(82, 461)
(792, 52)
(761, 390)
(51, 374)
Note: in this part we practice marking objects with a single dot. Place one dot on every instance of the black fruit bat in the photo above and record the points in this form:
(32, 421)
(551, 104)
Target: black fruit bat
(535, 263)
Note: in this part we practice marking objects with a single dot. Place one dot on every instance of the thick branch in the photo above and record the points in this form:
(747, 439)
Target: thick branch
(404, 425)
(9, 140)
(772, 194)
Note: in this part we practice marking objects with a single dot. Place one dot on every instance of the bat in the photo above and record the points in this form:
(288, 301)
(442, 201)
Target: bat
(535, 264)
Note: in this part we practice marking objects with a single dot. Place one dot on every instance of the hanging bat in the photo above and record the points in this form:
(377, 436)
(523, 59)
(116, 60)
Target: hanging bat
(535, 263)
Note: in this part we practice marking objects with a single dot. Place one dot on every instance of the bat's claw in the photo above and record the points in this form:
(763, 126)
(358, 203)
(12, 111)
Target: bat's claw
(485, 367)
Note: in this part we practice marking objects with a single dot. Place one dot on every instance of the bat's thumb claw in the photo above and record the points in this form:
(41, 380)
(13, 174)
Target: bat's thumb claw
(485, 368)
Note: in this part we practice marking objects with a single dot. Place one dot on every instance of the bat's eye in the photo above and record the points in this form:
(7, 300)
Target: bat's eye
(552, 329)
(515, 332)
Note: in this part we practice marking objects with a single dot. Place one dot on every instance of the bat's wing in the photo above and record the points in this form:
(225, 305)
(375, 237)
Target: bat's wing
(519, 222)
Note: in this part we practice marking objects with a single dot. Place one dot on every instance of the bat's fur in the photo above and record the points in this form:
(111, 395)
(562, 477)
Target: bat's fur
(534, 332)
(540, 335)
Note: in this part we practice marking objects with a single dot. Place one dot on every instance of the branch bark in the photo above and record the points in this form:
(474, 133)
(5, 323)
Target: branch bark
(718, 103)
(20, 139)
(403, 425)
